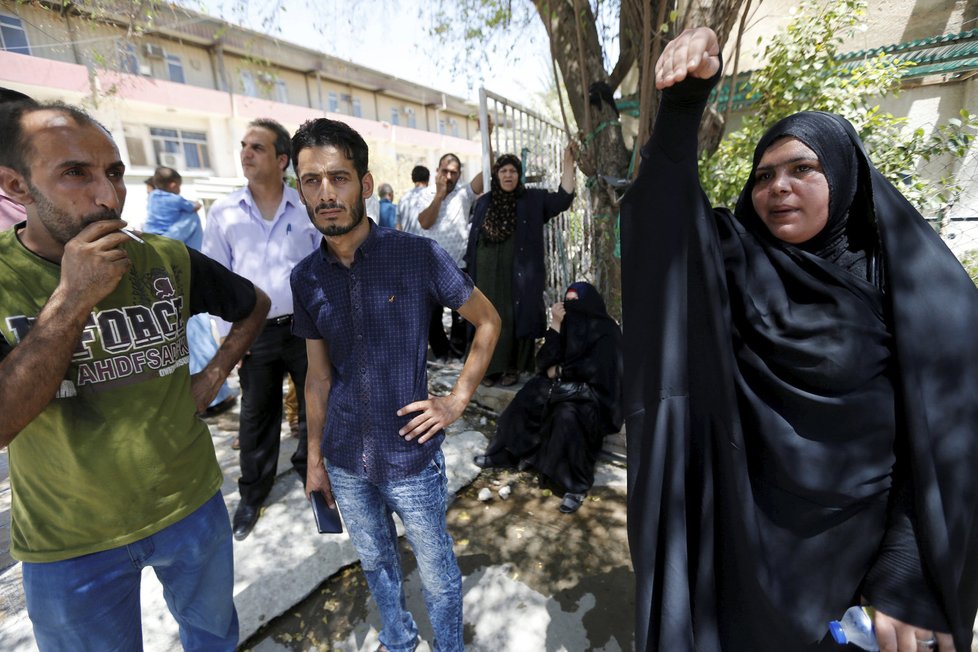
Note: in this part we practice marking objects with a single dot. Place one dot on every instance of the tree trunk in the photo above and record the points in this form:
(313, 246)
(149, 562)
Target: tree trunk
(575, 45)
(577, 48)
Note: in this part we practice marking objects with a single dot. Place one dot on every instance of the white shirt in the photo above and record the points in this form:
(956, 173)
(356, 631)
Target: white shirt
(372, 206)
(451, 227)
(263, 251)
(412, 203)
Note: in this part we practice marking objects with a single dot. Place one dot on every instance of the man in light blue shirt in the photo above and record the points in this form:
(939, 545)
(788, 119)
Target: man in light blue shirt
(260, 232)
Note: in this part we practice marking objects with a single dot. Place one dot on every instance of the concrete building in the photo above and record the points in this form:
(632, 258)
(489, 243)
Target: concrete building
(179, 88)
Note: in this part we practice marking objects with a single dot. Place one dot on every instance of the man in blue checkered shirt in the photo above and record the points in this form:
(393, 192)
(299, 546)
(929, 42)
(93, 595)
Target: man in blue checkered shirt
(363, 302)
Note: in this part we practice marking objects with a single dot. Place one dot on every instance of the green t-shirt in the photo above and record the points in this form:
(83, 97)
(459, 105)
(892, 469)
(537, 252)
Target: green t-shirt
(119, 453)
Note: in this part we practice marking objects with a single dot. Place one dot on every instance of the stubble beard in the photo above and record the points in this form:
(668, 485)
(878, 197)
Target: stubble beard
(61, 226)
(357, 211)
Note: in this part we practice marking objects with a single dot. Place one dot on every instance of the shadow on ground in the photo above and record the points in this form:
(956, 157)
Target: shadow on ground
(533, 579)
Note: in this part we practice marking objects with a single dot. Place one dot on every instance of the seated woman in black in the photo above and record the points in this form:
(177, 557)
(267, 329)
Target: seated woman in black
(557, 422)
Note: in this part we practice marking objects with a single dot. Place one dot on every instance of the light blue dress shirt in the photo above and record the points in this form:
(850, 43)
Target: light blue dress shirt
(263, 251)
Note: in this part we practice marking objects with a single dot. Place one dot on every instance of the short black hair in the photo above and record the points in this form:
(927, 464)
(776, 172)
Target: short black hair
(164, 176)
(420, 174)
(323, 132)
(15, 150)
(283, 144)
(451, 157)
(10, 95)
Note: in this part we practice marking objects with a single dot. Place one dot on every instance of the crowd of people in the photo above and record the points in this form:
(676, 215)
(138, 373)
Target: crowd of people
(801, 413)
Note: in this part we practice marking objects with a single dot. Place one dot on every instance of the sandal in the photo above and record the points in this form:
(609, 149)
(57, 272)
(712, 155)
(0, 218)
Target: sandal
(488, 382)
(571, 503)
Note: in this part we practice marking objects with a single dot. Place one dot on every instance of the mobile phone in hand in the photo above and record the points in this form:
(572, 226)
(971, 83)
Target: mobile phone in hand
(327, 520)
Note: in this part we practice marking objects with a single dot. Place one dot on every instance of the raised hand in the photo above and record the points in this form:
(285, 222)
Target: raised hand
(694, 53)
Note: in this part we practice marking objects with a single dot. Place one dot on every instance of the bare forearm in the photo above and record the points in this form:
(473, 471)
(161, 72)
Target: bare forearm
(32, 373)
(242, 334)
(317, 399)
(568, 178)
(427, 217)
(483, 344)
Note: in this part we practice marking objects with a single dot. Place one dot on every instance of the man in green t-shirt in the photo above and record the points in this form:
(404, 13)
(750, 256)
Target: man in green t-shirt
(110, 469)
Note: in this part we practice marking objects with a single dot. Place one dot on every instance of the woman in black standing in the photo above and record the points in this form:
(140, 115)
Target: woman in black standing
(801, 393)
(505, 258)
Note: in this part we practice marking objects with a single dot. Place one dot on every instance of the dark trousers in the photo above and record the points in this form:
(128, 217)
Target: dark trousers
(443, 345)
(276, 352)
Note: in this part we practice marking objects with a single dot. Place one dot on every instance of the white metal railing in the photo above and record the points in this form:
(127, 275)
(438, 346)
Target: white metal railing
(539, 144)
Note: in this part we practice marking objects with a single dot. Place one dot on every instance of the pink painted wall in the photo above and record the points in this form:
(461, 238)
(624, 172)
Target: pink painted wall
(22, 71)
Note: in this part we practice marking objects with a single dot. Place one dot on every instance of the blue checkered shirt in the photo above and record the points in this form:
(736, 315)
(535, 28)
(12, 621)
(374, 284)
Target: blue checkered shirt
(374, 319)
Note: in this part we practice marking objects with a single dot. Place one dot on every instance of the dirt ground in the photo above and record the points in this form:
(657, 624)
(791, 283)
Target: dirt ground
(564, 558)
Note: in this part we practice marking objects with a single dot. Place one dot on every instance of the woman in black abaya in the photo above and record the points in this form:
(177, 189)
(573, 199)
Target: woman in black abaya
(557, 422)
(801, 393)
(505, 258)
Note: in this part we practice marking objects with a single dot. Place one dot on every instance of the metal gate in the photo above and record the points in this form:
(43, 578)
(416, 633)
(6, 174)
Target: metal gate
(539, 144)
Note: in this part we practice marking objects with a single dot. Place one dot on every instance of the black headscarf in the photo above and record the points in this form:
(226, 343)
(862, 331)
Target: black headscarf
(773, 394)
(849, 239)
(501, 217)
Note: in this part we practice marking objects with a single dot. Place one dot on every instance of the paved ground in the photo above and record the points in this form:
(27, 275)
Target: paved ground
(533, 578)
(559, 578)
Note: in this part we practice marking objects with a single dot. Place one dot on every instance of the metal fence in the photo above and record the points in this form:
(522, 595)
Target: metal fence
(957, 221)
(539, 144)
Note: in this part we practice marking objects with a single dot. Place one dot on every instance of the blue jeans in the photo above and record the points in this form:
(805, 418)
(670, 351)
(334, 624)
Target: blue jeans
(92, 602)
(420, 503)
(200, 341)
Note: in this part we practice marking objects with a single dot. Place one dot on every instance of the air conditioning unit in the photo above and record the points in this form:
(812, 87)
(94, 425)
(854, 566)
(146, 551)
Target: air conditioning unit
(266, 77)
(153, 51)
(145, 70)
(408, 110)
(172, 160)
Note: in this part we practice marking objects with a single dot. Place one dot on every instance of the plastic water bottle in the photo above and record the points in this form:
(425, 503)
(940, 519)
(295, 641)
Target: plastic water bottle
(855, 627)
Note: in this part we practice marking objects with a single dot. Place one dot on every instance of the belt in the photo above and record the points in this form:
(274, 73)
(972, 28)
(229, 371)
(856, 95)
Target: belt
(282, 320)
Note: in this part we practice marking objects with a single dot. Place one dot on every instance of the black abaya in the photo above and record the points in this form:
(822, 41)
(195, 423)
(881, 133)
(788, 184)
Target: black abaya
(773, 395)
(558, 425)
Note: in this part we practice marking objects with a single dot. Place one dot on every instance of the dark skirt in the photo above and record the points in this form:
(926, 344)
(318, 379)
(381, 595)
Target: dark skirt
(494, 271)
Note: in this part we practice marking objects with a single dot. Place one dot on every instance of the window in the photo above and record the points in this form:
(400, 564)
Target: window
(453, 123)
(334, 103)
(412, 120)
(357, 110)
(128, 61)
(248, 84)
(281, 91)
(175, 69)
(188, 149)
(441, 126)
(13, 38)
(395, 116)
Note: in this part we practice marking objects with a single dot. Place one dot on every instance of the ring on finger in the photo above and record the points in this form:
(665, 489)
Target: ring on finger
(928, 644)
